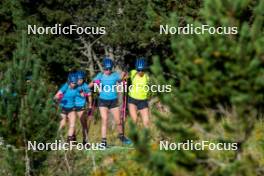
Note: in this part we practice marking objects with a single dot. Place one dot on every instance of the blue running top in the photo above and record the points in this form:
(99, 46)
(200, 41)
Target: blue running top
(69, 95)
(80, 101)
(108, 92)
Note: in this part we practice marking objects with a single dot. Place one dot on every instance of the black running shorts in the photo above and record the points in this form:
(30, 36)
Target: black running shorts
(108, 103)
(141, 104)
(79, 108)
(66, 111)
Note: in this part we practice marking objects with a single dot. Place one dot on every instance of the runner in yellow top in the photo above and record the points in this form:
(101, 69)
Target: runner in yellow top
(138, 93)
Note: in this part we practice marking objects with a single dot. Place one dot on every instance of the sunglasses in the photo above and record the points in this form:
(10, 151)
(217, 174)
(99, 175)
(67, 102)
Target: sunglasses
(107, 69)
(140, 70)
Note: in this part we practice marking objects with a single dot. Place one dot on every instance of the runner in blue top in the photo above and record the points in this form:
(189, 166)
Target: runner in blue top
(66, 97)
(108, 99)
(80, 103)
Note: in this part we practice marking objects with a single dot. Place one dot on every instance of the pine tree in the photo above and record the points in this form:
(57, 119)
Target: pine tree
(26, 112)
(217, 95)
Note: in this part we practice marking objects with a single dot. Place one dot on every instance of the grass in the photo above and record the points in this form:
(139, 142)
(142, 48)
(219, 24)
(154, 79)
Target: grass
(114, 160)
(122, 160)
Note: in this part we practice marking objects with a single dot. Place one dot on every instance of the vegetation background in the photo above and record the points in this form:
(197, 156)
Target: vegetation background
(218, 83)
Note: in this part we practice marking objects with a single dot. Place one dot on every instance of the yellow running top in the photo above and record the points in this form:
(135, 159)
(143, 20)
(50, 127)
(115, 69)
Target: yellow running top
(139, 85)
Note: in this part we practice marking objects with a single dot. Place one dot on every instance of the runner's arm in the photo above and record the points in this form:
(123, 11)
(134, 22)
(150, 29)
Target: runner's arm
(59, 94)
(123, 76)
(91, 84)
(88, 95)
(96, 80)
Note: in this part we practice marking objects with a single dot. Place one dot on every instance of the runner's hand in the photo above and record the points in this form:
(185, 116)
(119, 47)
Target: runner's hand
(60, 96)
(97, 82)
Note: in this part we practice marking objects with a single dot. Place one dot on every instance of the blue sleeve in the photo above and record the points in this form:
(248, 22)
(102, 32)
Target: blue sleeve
(85, 88)
(98, 77)
(64, 88)
(79, 88)
(117, 76)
